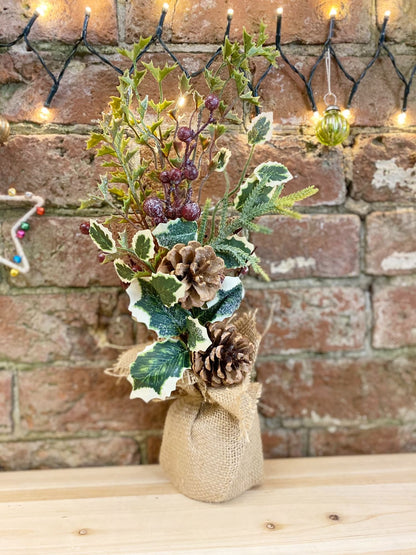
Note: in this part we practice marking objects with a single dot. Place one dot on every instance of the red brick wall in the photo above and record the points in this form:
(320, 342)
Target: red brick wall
(338, 365)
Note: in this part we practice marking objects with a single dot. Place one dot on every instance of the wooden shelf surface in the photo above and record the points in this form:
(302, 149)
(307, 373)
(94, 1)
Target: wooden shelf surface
(332, 505)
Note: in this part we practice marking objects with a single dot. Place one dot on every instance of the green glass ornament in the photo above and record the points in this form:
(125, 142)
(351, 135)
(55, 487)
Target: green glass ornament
(332, 128)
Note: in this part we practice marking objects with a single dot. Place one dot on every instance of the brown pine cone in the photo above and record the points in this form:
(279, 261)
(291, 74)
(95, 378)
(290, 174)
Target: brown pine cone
(199, 268)
(228, 360)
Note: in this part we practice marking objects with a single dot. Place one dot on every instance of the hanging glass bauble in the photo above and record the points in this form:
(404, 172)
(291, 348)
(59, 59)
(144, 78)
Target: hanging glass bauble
(4, 130)
(332, 128)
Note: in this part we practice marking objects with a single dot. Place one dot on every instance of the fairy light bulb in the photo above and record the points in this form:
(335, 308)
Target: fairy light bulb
(401, 118)
(230, 13)
(333, 128)
(333, 12)
(346, 113)
(316, 116)
(41, 10)
(181, 101)
(165, 7)
(44, 113)
(87, 10)
(387, 14)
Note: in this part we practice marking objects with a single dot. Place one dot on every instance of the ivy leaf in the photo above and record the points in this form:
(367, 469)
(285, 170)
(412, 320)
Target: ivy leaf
(221, 159)
(102, 237)
(169, 288)
(242, 250)
(260, 129)
(124, 272)
(198, 339)
(147, 308)
(272, 173)
(142, 244)
(174, 232)
(157, 369)
(225, 303)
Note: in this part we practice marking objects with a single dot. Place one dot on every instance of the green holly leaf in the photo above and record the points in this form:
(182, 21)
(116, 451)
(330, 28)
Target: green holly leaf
(147, 308)
(198, 339)
(159, 73)
(175, 231)
(124, 272)
(169, 288)
(235, 251)
(157, 369)
(261, 129)
(225, 303)
(143, 246)
(102, 237)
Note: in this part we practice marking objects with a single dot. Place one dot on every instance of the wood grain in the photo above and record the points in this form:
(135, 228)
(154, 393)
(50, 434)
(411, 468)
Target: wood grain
(334, 505)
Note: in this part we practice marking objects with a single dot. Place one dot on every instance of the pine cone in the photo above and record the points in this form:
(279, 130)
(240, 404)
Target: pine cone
(199, 268)
(228, 360)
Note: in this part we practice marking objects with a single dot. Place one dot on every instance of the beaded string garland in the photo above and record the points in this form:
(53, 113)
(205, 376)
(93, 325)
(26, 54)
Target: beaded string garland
(19, 263)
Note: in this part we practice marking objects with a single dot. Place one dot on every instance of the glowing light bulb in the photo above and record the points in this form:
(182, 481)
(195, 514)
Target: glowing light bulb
(387, 14)
(230, 12)
(181, 101)
(279, 11)
(41, 10)
(165, 7)
(315, 116)
(401, 118)
(44, 113)
(346, 113)
(333, 12)
(87, 10)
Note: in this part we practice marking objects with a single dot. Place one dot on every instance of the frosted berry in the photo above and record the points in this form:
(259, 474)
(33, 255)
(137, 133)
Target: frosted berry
(185, 134)
(164, 176)
(190, 172)
(191, 211)
(84, 228)
(153, 207)
(101, 257)
(159, 220)
(175, 176)
(171, 213)
(212, 102)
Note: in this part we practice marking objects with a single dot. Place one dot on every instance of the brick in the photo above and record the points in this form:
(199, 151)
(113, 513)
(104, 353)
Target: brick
(70, 326)
(50, 453)
(355, 441)
(401, 27)
(283, 443)
(57, 167)
(204, 22)
(60, 255)
(62, 21)
(384, 168)
(76, 399)
(391, 242)
(153, 444)
(6, 381)
(315, 246)
(345, 389)
(318, 320)
(394, 308)
(309, 163)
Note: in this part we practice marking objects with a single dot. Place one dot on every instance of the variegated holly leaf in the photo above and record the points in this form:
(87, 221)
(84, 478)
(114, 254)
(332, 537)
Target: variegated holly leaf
(142, 244)
(174, 232)
(225, 303)
(272, 173)
(124, 272)
(234, 250)
(102, 237)
(169, 288)
(260, 129)
(147, 308)
(221, 159)
(198, 339)
(157, 368)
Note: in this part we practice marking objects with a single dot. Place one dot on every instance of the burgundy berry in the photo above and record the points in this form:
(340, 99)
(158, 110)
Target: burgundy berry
(212, 102)
(191, 211)
(164, 176)
(101, 257)
(153, 207)
(190, 172)
(185, 134)
(175, 176)
(159, 220)
(171, 213)
(84, 228)
(244, 271)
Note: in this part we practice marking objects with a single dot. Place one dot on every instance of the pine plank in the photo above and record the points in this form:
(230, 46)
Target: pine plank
(335, 505)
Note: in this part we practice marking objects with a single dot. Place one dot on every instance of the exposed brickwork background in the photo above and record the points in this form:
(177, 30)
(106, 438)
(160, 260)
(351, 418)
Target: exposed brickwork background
(338, 365)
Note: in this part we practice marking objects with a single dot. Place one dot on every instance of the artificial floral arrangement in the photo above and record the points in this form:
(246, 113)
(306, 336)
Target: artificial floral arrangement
(183, 261)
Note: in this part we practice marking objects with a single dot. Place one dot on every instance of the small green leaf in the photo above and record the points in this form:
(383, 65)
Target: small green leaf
(124, 272)
(142, 244)
(261, 129)
(157, 369)
(102, 237)
(221, 159)
(198, 339)
(174, 232)
(225, 303)
(95, 139)
(168, 287)
(242, 250)
(159, 73)
(184, 83)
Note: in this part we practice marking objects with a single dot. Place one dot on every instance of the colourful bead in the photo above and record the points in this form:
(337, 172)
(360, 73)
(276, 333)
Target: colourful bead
(25, 226)
(11, 192)
(14, 272)
(20, 233)
(40, 210)
(17, 259)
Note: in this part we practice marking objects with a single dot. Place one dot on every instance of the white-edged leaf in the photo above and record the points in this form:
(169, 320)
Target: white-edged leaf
(242, 250)
(102, 237)
(272, 173)
(221, 159)
(245, 191)
(142, 244)
(225, 303)
(124, 272)
(175, 231)
(168, 287)
(261, 129)
(198, 339)
(157, 369)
